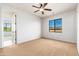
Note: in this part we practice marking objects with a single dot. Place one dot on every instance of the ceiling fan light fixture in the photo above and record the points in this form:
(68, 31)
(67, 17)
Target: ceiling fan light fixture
(41, 9)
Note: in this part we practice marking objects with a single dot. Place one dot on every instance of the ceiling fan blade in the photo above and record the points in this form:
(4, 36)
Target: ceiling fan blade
(35, 6)
(48, 9)
(40, 5)
(45, 4)
(36, 11)
(42, 12)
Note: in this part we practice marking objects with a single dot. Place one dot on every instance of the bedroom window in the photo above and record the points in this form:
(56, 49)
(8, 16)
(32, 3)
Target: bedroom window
(55, 25)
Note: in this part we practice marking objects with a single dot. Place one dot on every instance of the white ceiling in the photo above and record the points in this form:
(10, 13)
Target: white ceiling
(56, 8)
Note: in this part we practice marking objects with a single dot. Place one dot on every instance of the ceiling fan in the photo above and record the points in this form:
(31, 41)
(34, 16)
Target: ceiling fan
(41, 8)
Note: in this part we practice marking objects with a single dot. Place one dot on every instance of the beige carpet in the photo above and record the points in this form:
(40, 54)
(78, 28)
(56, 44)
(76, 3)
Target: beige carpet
(41, 47)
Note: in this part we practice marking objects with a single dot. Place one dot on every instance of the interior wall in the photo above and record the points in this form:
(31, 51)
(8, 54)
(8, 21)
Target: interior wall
(28, 27)
(78, 27)
(0, 30)
(68, 27)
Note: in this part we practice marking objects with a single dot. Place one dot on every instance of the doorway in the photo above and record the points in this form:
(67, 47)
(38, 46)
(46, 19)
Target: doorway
(9, 31)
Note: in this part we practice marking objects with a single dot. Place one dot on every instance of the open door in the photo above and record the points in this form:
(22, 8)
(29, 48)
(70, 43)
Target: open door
(9, 31)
